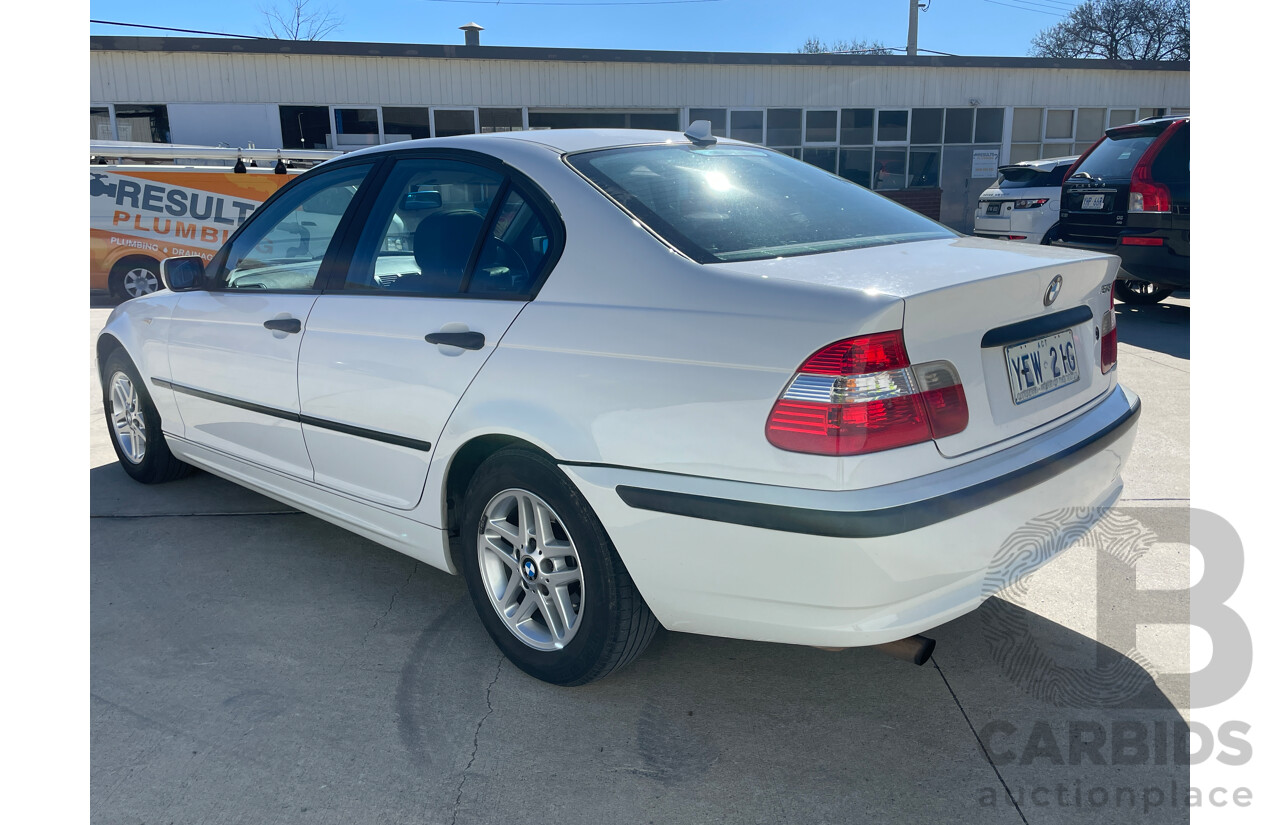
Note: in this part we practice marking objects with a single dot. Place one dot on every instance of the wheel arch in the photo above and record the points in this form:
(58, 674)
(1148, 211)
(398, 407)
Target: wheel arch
(462, 468)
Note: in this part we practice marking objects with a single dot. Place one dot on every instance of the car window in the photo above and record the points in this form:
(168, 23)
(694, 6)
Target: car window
(282, 247)
(424, 227)
(738, 203)
(514, 252)
(1173, 164)
(1115, 157)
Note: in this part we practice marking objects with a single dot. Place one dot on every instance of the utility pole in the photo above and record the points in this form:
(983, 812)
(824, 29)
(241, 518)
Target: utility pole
(913, 28)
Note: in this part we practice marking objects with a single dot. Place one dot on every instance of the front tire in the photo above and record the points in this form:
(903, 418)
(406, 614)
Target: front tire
(544, 576)
(1140, 293)
(134, 424)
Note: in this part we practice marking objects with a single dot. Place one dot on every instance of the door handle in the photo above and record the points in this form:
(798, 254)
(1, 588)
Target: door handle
(290, 325)
(465, 340)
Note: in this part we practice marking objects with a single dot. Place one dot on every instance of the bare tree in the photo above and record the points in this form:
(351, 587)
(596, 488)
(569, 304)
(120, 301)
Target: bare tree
(1120, 30)
(299, 21)
(815, 46)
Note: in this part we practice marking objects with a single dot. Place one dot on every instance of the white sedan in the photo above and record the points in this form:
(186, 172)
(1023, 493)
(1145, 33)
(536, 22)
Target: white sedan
(618, 379)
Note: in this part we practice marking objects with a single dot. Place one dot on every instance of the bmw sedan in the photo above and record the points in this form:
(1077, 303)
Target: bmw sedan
(622, 379)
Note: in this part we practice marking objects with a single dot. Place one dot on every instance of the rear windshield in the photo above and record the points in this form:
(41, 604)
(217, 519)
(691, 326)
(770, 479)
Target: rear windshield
(738, 203)
(1025, 177)
(1115, 157)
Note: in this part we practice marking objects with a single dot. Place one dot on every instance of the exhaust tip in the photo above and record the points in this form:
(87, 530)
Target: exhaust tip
(914, 649)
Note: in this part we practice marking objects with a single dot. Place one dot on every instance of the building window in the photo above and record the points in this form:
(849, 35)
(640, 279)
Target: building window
(747, 124)
(142, 123)
(450, 122)
(783, 127)
(823, 158)
(926, 126)
(820, 127)
(304, 127)
(988, 126)
(501, 120)
(924, 165)
(855, 165)
(405, 123)
(662, 121)
(856, 127)
(959, 126)
(1119, 117)
(890, 168)
(718, 119)
(892, 126)
(1059, 124)
(99, 123)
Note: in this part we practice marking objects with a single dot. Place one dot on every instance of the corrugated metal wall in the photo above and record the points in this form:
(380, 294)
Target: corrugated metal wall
(170, 77)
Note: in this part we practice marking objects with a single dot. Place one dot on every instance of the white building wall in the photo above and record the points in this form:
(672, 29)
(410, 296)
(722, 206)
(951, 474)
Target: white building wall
(151, 77)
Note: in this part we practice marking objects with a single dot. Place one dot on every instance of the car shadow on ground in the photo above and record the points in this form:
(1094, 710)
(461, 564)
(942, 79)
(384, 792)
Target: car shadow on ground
(1163, 327)
(227, 645)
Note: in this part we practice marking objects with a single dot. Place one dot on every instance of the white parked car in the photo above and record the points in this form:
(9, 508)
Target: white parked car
(619, 379)
(1023, 204)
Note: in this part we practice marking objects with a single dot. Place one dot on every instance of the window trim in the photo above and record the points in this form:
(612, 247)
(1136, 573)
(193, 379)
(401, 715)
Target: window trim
(334, 279)
(337, 244)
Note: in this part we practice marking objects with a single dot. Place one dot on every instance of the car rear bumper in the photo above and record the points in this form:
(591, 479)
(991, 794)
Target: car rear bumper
(1157, 264)
(859, 567)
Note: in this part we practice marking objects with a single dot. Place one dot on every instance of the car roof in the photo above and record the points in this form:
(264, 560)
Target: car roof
(561, 140)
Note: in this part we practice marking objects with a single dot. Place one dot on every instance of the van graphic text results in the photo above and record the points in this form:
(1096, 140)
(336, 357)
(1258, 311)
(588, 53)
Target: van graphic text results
(155, 209)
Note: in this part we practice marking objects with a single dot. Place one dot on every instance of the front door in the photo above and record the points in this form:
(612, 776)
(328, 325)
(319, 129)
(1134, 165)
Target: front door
(233, 349)
(447, 259)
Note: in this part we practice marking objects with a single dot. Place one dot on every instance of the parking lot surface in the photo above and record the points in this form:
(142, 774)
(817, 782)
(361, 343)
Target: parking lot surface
(253, 664)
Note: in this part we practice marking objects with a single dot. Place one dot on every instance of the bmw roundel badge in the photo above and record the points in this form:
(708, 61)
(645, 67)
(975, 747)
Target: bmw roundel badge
(1051, 294)
(530, 569)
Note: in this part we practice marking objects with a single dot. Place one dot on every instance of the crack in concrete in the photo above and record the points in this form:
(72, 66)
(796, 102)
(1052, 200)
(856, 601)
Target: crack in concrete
(475, 740)
(978, 738)
(390, 604)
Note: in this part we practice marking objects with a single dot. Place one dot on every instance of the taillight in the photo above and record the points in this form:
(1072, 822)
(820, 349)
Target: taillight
(1109, 347)
(1030, 203)
(1145, 195)
(862, 395)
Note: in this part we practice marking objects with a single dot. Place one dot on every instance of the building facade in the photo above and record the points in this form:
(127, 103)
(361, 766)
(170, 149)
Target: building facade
(927, 131)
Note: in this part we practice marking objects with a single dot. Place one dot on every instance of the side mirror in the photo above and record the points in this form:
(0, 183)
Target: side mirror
(183, 274)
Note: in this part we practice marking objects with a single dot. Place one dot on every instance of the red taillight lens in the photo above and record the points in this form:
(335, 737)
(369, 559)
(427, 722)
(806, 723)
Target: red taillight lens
(1145, 196)
(1110, 347)
(862, 395)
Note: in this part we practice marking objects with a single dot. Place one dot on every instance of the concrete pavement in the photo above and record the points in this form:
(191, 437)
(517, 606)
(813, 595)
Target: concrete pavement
(253, 664)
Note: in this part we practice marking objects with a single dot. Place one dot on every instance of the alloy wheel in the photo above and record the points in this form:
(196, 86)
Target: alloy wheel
(530, 569)
(126, 418)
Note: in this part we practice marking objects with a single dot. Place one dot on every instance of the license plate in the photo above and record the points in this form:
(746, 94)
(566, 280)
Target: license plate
(1093, 201)
(993, 209)
(1042, 366)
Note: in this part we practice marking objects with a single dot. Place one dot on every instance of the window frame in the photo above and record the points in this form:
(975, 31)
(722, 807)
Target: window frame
(332, 279)
(336, 252)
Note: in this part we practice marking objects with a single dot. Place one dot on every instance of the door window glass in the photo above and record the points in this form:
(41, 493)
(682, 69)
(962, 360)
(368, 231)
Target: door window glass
(424, 227)
(514, 252)
(282, 247)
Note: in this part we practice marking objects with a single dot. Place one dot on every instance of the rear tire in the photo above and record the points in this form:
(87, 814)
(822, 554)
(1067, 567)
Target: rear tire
(134, 424)
(544, 576)
(1140, 293)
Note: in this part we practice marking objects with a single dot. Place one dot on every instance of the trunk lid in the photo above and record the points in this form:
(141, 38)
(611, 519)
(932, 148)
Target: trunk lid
(961, 291)
(1095, 199)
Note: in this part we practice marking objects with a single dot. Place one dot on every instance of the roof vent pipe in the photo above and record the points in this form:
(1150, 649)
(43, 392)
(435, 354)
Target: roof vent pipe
(472, 33)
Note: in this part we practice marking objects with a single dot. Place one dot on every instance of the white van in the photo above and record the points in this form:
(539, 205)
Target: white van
(1023, 203)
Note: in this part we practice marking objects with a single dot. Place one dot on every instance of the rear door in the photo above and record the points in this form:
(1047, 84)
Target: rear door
(233, 350)
(448, 257)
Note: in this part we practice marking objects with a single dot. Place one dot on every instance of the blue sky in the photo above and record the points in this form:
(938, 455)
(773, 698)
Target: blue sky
(981, 27)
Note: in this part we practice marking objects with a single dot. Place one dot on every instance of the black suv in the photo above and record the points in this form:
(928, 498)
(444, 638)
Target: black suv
(1130, 195)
